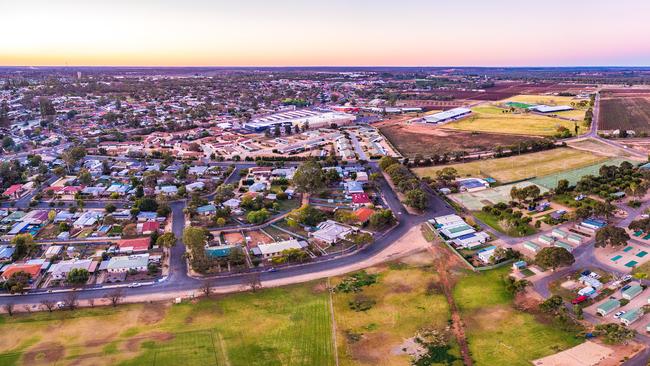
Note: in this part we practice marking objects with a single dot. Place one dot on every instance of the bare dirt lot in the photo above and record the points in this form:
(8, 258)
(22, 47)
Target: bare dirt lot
(413, 139)
(626, 113)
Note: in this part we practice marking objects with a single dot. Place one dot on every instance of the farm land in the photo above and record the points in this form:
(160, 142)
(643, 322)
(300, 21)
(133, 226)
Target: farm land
(514, 168)
(494, 119)
(414, 139)
(625, 111)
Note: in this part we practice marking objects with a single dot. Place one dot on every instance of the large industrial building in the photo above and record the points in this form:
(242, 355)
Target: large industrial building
(314, 118)
(446, 116)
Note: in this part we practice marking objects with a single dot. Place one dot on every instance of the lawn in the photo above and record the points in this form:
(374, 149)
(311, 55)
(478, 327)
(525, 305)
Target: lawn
(493, 222)
(375, 336)
(497, 333)
(518, 167)
(493, 119)
(283, 326)
(574, 175)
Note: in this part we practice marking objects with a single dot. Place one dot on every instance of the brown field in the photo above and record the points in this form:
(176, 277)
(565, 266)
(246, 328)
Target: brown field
(628, 113)
(233, 238)
(258, 237)
(413, 139)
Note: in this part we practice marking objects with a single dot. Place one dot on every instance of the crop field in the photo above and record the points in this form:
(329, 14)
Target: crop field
(493, 119)
(497, 333)
(414, 139)
(627, 113)
(519, 167)
(283, 326)
(402, 307)
(542, 99)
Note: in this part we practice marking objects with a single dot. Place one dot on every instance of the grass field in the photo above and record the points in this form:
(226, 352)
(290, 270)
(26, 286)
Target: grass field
(573, 176)
(284, 326)
(402, 307)
(541, 99)
(493, 222)
(497, 333)
(513, 168)
(493, 119)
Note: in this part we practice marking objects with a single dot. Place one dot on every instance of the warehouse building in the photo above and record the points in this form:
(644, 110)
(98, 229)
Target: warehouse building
(313, 118)
(447, 116)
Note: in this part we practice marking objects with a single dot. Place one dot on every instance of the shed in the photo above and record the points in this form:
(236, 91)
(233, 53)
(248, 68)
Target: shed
(561, 244)
(632, 292)
(531, 246)
(608, 306)
(631, 316)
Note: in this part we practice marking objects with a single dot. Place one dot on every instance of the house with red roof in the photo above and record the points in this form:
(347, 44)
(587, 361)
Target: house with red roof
(360, 199)
(134, 245)
(32, 269)
(363, 214)
(148, 227)
(14, 191)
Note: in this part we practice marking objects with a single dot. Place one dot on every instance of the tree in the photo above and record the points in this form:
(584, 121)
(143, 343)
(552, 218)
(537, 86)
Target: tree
(110, 208)
(71, 300)
(166, 240)
(381, 219)
(515, 286)
(307, 215)
(24, 245)
(562, 186)
(309, 178)
(614, 333)
(258, 217)
(78, 276)
(9, 308)
(72, 156)
(552, 305)
(48, 304)
(51, 215)
(46, 107)
(115, 296)
(206, 287)
(224, 192)
(416, 198)
(387, 161)
(554, 257)
(611, 236)
(17, 282)
(253, 281)
(447, 174)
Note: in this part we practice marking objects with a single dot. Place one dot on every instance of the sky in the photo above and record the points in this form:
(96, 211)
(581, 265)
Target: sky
(325, 33)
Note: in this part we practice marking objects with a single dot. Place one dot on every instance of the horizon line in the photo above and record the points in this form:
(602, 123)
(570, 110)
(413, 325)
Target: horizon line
(326, 66)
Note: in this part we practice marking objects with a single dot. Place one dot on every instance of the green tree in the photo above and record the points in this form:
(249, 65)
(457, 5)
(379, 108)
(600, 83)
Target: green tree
(166, 240)
(24, 245)
(78, 276)
(309, 178)
(613, 333)
(554, 257)
(611, 236)
(416, 198)
(381, 219)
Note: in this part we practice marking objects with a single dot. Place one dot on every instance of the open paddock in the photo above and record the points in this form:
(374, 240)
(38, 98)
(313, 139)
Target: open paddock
(413, 139)
(625, 113)
(499, 120)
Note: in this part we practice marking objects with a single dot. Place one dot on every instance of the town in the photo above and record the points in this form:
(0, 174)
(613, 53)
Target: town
(526, 192)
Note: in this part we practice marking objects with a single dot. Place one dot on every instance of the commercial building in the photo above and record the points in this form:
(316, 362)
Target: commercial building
(447, 116)
(312, 118)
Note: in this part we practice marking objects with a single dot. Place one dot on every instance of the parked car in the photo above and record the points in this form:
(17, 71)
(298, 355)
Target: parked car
(619, 314)
(135, 284)
(626, 278)
(579, 299)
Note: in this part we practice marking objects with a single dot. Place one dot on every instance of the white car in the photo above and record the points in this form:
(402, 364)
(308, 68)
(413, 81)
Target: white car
(135, 284)
(619, 314)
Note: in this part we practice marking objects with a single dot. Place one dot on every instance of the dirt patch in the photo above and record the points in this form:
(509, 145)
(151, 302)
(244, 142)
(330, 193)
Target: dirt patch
(47, 353)
(401, 289)
(153, 313)
(370, 349)
(100, 341)
(416, 138)
(527, 301)
(258, 237)
(409, 347)
(233, 238)
(134, 344)
(319, 288)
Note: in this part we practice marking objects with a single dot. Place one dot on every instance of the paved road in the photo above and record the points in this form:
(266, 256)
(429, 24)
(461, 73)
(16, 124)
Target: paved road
(178, 279)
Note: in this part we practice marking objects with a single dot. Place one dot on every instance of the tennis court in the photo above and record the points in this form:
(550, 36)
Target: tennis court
(573, 176)
(475, 201)
(641, 254)
(627, 249)
(631, 264)
(614, 259)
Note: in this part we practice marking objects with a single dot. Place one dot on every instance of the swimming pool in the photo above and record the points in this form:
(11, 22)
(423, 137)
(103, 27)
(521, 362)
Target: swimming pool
(631, 264)
(614, 259)
(627, 249)
(641, 254)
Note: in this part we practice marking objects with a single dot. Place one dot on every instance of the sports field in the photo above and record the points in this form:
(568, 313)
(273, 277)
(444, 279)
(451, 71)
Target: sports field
(476, 200)
(519, 167)
(284, 326)
(497, 333)
(498, 120)
(573, 176)
(541, 99)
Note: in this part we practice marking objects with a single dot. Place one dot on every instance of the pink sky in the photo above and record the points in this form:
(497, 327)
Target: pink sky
(334, 32)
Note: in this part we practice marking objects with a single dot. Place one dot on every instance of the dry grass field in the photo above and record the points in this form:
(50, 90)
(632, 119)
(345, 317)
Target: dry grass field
(496, 120)
(522, 166)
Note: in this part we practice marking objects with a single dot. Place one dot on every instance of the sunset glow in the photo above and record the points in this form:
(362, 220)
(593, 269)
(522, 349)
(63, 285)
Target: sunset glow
(311, 33)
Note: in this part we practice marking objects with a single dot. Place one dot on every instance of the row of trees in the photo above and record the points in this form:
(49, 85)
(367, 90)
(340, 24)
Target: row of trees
(405, 181)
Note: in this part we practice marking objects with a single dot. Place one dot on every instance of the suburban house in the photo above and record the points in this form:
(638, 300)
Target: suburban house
(275, 249)
(331, 232)
(59, 271)
(134, 245)
(485, 254)
(137, 262)
(32, 269)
